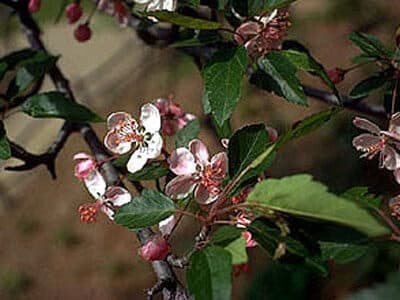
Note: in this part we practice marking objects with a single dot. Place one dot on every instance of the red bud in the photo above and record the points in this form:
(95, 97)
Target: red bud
(34, 6)
(337, 75)
(73, 12)
(82, 33)
(156, 248)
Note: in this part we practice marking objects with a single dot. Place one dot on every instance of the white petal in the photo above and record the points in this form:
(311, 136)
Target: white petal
(137, 161)
(108, 211)
(150, 118)
(167, 225)
(118, 196)
(154, 146)
(95, 184)
(182, 162)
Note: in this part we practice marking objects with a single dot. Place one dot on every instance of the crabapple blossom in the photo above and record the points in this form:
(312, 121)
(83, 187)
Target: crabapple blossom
(172, 115)
(195, 171)
(124, 131)
(73, 12)
(250, 242)
(86, 164)
(107, 199)
(156, 248)
(83, 33)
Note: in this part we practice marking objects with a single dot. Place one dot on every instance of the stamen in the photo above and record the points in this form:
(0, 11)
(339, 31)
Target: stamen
(88, 212)
(211, 177)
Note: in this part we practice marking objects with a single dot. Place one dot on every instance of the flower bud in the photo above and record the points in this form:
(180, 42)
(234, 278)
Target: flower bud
(82, 33)
(156, 248)
(337, 75)
(73, 12)
(34, 6)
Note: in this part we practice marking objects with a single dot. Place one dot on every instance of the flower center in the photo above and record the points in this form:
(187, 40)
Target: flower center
(88, 212)
(128, 132)
(376, 148)
(211, 177)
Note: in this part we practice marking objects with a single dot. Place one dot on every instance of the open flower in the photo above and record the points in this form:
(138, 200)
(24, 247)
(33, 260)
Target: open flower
(107, 199)
(152, 5)
(378, 142)
(125, 132)
(172, 115)
(86, 164)
(196, 172)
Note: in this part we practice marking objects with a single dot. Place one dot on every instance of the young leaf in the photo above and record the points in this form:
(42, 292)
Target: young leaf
(209, 274)
(283, 72)
(360, 195)
(342, 253)
(367, 86)
(145, 210)
(151, 171)
(222, 81)
(5, 150)
(370, 45)
(299, 195)
(56, 105)
(184, 21)
(186, 134)
(237, 249)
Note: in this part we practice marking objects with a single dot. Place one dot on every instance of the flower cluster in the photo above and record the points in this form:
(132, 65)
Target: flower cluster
(263, 34)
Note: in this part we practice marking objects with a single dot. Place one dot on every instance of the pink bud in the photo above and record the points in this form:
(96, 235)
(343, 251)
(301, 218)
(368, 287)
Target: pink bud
(34, 6)
(156, 248)
(85, 165)
(337, 75)
(73, 12)
(249, 239)
(272, 133)
(82, 33)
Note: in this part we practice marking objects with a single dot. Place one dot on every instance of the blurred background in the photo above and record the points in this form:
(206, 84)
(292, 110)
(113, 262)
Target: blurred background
(47, 253)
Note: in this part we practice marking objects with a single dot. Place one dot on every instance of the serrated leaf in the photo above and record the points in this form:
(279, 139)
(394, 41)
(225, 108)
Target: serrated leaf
(222, 81)
(368, 85)
(145, 210)
(186, 134)
(209, 274)
(56, 105)
(5, 150)
(342, 253)
(237, 249)
(299, 195)
(225, 235)
(283, 72)
(152, 171)
(184, 21)
(360, 195)
(370, 45)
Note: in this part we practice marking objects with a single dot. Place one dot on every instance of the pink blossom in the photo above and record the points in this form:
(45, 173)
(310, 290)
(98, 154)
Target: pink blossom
(242, 221)
(197, 172)
(156, 248)
(172, 115)
(86, 164)
(125, 132)
(107, 200)
(249, 239)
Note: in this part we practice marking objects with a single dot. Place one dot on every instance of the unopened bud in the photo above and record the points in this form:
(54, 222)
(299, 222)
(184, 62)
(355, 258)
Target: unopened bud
(73, 12)
(34, 6)
(156, 248)
(82, 33)
(337, 75)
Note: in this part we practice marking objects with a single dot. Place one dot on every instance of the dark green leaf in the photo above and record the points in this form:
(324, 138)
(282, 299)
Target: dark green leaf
(342, 253)
(367, 86)
(145, 210)
(184, 21)
(9, 61)
(5, 150)
(237, 249)
(370, 45)
(283, 72)
(257, 7)
(299, 195)
(209, 274)
(225, 235)
(222, 131)
(318, 265)
(191, 3)
(222, 81)
(61, 10)
(151, 171)
(56, 105)
(360, 195)
(204, 37)
(186, 134)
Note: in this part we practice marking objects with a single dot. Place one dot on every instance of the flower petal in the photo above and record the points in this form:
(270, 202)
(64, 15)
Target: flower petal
(111, 141)
(137, 161)
(203, 197)
(389, 158)
(364, 141)
(117, 118)
(150, 118)
(182, 162)
(162, 105)
(366, 125)
(220, 162)
(199, 151)
(154, 146)
(95, 184)
(180, 186)
(82, 156)
(396, 174)
(169, 5)
(108, 211)
(118, 196)
(394, 124)
(167, 225)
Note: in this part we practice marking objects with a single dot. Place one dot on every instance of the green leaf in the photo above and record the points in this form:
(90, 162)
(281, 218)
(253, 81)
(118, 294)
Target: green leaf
(370, 45)
(145, 210)
(204, 37)
(245, 146)
(360, 195)
(32, 69)
(184, 21)
(257, 7)
(299, 195)
(225, 235)
(222, 81)
(9, 61)
(283, 72)
(186, 134)
(61, 10)
(342, 253)
(367, 86)
(274, 4)
(191, 3)
(237, 249)
(5, 150)
(209, 274)
(57, 105)
(151, 171)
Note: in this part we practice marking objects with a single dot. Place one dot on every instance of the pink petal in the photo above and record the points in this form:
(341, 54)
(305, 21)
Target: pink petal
(200, 152)
(249, 239)
(180, 186)
(118, 196)
(157, 248)
(118, 118)
(366, 125)
(272, 134)
(168, 127)
(175, 109)
(167, 225)
(394, 124)
(83, 168)
(364, 141)
(182, 162)
(202, 196)
(150, 118)
(82, 156)
(220, 162)
(112, 142)
(389, 158)
(163, 106)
